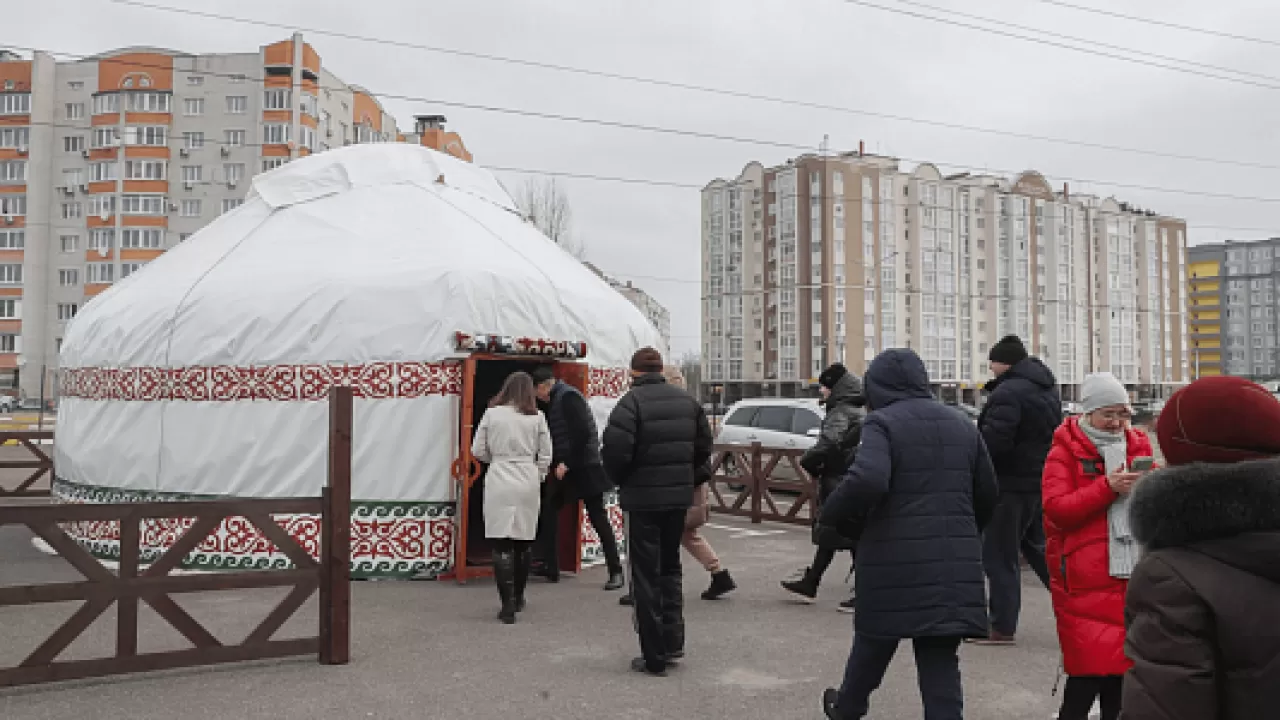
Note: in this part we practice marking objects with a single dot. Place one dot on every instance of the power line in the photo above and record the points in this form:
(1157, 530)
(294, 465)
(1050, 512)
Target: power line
(851, 198)
(702, 135)
(685, 86)
(1054, 43)
(1163, 23)
(1086, 41)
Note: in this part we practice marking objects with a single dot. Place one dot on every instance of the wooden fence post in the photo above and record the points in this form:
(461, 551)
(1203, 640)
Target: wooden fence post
(335, 542)
(757, 470)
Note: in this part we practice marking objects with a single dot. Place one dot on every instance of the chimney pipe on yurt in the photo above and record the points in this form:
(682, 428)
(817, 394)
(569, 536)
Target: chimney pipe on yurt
(205, 373)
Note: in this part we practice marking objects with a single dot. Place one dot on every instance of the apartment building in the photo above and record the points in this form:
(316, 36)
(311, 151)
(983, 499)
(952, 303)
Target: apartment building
(836, 257)
(1235, 298)
(108, 161)
(653, 310)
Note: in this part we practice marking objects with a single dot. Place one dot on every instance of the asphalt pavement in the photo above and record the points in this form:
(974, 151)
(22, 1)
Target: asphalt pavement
(435, 650)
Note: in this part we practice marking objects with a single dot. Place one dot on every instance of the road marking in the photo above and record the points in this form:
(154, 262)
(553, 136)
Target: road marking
(741, 532)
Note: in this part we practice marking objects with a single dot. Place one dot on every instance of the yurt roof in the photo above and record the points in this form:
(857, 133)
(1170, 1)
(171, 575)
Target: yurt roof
(377, 252)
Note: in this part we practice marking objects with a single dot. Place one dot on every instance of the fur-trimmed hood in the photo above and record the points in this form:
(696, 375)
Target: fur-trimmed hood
(1229, 512)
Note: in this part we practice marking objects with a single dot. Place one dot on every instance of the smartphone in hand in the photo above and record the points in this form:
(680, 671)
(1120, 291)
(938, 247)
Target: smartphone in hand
(1142, 464)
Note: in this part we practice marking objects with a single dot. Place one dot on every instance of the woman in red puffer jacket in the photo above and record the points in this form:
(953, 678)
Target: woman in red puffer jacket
(1089, 552)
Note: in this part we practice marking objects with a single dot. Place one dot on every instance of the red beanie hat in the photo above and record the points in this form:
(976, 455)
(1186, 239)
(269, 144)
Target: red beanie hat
(1219, 420)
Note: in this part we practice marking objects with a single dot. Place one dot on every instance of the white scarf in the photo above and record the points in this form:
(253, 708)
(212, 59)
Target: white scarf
(1121, 546)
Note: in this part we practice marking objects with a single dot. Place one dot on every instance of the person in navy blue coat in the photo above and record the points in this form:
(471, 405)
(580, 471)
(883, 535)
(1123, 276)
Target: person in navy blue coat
(923, 487)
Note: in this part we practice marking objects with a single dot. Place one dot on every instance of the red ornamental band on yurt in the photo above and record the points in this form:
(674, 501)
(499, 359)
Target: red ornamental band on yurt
(404, 273)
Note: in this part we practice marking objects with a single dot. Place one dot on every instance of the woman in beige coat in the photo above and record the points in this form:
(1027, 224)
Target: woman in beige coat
(514, 440)
(692, 540)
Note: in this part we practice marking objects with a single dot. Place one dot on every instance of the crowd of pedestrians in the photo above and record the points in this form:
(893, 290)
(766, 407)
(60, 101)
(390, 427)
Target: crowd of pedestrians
(1164, 582)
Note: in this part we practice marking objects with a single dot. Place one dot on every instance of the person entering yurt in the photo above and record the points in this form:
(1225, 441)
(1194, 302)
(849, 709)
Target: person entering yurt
(514, 440)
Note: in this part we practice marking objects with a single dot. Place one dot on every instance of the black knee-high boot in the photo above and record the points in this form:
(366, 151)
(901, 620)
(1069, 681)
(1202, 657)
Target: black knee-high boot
(504, 575)
(524, 560)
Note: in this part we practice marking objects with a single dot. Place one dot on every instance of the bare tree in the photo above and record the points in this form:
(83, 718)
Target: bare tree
(691, 368)
(546, 205)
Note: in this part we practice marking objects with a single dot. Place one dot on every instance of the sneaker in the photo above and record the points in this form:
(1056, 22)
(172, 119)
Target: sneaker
(721, 584)
(615, 581)
(830, 697)
(846, 606)
(995, 638)
(625, 600)
(805, 588)
(639, 665)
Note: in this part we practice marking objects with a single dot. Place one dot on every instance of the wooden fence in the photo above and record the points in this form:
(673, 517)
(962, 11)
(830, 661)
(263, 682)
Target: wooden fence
(748, 480)
(153, 584)
(40, 463)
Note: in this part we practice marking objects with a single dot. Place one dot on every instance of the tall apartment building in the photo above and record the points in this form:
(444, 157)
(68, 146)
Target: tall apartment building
(108, 161)
(1206, 301)
(1235, 299)
(836, 257)
(653, 310)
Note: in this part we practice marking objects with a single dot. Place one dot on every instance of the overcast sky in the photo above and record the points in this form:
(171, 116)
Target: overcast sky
(827, 51)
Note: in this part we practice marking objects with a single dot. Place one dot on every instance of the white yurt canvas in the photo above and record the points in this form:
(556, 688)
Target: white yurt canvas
(206, 373)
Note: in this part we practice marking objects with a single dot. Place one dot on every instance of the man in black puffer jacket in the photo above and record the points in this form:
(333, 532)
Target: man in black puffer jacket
(1017, 423)
(826, 462)
(923, 485)
(576, 472)
(656, 450)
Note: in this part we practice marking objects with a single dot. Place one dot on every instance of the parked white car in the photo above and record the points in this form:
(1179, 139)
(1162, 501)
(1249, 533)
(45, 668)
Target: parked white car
(776, 423)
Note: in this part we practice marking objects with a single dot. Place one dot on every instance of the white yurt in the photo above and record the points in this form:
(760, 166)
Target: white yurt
(389, 267)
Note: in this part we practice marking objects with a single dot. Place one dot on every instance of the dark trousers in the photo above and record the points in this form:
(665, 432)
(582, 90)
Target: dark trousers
(1016, 528)
(822, 558)
(937, 672)
(548, 538)
(1081, 690)
(653, 546)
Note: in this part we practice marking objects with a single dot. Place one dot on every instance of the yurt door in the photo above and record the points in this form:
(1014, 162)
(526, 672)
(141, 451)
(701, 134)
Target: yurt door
(569, 538)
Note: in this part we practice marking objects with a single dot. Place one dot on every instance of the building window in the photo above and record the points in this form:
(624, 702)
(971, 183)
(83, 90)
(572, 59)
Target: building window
(127, 269)
(142, 205)
(67, 311)
(15, 104)
(184, 237)
(237, 78)
(75, 111)
(270, 164)
(106, 137)
(15, 137)
(102, 239)
(193, 106)
(13, 172)
(191, 208)
(11, 274)
(100, 272)
(149, 135)
(233, 172)
(102, 171)
(146, 170)
(193, 140)
(195, 79)
(275, 133)
(236, 138)
(104, 104)
(230, 204)
(13, 205)
(8, 343)
(141, 239)
(13, 239)
(192, 173)
(309, 104)
(72, 210)
(237, 104)
(75, 85)
(72, 143)
(70, 243)
(69, 277)
(9, 309)
(149, 102)
(276, 99)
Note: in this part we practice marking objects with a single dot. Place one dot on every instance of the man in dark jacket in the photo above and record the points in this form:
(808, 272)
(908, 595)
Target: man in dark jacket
(827, 461)
(1203, 603)
(656, 449)
(924, 483)
(576, 472)
(1022, 412)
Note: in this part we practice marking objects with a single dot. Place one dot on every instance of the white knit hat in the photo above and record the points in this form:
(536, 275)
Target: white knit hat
(1100, 390)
